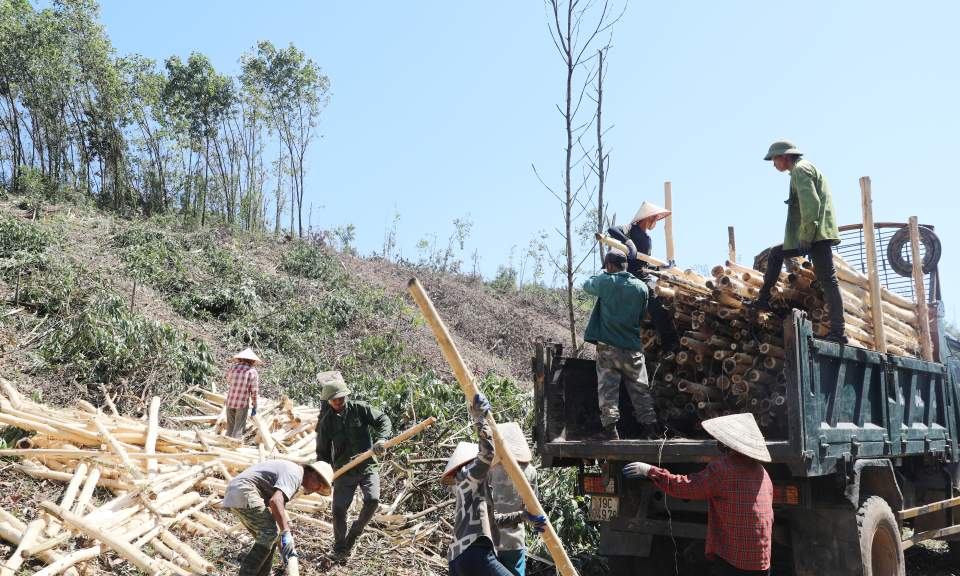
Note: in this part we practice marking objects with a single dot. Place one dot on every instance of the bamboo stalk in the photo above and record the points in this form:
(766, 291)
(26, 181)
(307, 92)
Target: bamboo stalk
(510, 465)
(926, 344)
(410, 432)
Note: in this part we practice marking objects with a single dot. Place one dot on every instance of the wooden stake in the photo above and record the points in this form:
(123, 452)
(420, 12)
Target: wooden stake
(926, 344)
(732, 244)
(469, 387)
(668, 221)
(391, 442)
(869, 234)
(133, 297)
(150, 444)
(16, 559)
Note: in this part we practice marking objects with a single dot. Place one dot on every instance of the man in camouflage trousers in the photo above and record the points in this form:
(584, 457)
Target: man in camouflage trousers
(615, 329)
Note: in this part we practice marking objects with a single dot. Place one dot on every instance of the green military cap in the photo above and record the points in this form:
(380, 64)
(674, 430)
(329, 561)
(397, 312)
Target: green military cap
(333, 385)
(781, 147)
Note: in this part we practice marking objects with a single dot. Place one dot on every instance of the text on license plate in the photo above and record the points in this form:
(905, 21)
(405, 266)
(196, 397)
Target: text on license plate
(603, 508)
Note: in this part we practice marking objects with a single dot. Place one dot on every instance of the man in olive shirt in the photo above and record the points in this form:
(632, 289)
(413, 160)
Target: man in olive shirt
(811, 231)
(342, 434)
(257, 497)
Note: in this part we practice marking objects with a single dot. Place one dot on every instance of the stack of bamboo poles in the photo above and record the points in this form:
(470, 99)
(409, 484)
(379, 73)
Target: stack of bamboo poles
(733, 360)
(161, 478)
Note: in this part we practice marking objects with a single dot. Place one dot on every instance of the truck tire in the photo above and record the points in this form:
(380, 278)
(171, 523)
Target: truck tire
(879, 538)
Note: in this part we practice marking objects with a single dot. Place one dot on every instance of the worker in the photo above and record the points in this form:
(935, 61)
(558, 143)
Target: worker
(257, 497)
(739, 494)
(244, 384)
(614, 328)
(475, 537)
(811, 231)
(507, 503)
(342, 434)
(634, 236)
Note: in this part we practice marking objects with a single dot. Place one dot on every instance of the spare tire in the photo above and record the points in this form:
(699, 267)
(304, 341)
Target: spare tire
(931, 245)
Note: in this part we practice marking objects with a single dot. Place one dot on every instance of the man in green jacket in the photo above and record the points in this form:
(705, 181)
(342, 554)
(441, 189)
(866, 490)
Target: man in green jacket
(342, 434)
(615, 329)
(811, 232)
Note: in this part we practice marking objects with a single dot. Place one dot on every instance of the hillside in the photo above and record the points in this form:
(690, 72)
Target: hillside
(203, 295)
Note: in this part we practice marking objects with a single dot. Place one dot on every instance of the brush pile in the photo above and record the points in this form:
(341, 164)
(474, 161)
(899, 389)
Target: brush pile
(166, 484)
(733, 359)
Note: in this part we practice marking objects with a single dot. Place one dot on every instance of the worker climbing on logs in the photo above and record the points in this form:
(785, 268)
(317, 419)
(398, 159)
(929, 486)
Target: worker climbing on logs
(476, 538)
(257, 497)
(507, 503)
(634, 236)
(614, 328)
(342, 434)
(739, 493)
(244, 386)
(811, 232)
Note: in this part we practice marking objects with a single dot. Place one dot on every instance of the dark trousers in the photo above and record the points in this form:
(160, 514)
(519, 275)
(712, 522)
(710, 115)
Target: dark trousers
(344, 488)
(821, 255)
(477, 561)
(723, 568)
(659, 315)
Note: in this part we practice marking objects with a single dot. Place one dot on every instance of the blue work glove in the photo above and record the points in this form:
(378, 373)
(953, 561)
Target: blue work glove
(539, 522)
(254, 413)
(669, 265)
(803, 247)
(637, 470)
(479, 409)
(287, 548)
(631, 249)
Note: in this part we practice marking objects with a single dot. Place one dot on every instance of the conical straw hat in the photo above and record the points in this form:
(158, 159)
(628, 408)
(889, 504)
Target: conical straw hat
(248, 355)
(513, 437)
(647, 210)
(326, 473)
(740, 433)
(465, 452)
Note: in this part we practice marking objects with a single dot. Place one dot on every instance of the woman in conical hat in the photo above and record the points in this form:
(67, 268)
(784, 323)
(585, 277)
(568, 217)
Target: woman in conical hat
(634, 236)
(740, 494)
(244, 384)
(510, 512)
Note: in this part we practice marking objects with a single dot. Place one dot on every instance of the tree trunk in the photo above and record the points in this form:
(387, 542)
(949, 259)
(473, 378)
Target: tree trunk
(600, 159)
(568, 214)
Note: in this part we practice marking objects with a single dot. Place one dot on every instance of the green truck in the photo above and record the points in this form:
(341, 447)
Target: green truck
(869, 466)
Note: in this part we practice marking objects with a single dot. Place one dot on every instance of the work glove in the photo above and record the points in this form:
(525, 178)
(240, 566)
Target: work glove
(631, 249)
(479, 409)
(539, 522)
(803, 247)
(667, 266)
(287, 548)
(637, 470)
(378, 447)
(254, 413)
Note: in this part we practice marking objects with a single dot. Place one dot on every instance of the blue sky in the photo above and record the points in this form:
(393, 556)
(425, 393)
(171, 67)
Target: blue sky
(441, 108)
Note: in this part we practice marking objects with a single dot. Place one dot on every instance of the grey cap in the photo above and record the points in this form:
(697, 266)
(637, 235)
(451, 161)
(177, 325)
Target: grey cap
(615, 256)
(781, 147)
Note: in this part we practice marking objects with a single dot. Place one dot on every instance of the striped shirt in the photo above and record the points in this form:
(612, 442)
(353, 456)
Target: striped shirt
(740, 500)
(243, 382)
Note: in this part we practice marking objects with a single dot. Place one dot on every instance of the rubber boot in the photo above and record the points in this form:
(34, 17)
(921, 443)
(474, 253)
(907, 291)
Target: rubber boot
(649, 432)
(609, 433)
(759, 305)
(255, 559)
(838, 337)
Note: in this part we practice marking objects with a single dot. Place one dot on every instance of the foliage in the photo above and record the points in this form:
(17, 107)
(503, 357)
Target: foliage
(105, 344)
(22, 238)
(310, 261)
(10, 435)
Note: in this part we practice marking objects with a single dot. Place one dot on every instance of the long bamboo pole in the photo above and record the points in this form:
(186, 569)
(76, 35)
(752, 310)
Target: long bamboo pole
(668, 221)
(732, 243)
(469, 387)
(412, 431)
(879, 338)
(926, 344)
(150, 443)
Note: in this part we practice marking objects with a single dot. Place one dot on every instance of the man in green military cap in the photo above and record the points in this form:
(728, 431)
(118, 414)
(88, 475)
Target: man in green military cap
(342, 434)
(811, 232)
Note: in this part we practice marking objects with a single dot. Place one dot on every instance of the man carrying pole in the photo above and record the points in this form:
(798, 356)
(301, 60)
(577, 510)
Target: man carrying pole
(615, 329)
(811, 231)
(507, 504)
(257, 497)
(244, 385)
(634, 236)
(342, 434)
(475, 533)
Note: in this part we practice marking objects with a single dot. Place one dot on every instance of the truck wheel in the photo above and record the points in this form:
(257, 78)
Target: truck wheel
(879, 539)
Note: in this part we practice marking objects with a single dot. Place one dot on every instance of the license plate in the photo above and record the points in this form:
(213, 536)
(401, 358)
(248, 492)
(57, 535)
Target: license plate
(603, 508)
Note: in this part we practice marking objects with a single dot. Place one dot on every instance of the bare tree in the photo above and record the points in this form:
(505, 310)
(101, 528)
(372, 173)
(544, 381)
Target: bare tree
(572, 36)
